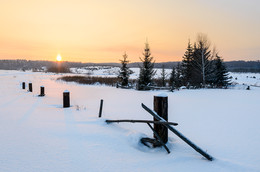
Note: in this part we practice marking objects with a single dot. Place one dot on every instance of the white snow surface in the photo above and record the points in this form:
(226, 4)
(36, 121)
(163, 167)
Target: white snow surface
(108, 71)
(37, 134)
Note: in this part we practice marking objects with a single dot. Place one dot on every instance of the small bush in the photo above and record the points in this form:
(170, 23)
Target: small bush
(58, 69)
(90, 80)
(158, 82)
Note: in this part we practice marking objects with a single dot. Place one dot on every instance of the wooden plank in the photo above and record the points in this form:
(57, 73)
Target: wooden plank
(186, 140)
(142, 121)
(159, 138)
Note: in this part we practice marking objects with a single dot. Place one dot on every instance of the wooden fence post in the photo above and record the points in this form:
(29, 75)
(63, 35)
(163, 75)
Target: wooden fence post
(42, 91)
(161, 108)
(100, 108)
(30, 87)
(23, 85)
(66, 99)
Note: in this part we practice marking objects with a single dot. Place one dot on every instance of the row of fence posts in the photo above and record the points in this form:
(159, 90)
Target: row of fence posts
(160, 107)
(30, 88)
(66, 97)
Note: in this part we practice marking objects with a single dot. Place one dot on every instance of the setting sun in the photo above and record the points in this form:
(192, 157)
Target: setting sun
(58, 58)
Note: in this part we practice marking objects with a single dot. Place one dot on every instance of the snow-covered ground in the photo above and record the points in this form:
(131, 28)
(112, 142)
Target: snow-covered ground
(37, 134)
(252, 79)
(107, 71)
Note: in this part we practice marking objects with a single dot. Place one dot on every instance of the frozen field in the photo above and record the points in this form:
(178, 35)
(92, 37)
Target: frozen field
(37, 134)
(106, 71)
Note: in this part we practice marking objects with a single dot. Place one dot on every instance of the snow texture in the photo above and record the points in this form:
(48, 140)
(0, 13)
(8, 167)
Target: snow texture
(162, 95)
(37, 134)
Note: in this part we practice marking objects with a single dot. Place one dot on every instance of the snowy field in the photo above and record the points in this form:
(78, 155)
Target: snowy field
(107, 71)
(37, 134)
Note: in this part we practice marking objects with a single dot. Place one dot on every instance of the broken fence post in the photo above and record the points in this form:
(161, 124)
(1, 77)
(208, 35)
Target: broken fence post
(161, 108)
(30, 87)
(100, 108)
(23, 85)
(66, 99)
(186, 140)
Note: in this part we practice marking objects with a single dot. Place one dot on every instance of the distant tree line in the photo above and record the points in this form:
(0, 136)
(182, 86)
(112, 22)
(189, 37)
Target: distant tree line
(232, 66)
(243, 66)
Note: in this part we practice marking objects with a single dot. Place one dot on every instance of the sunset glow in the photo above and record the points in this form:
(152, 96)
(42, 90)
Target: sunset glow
(58, 58)
(100, 31)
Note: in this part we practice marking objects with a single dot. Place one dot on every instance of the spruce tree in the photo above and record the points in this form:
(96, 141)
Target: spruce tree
(176, 77)
(179, 78)
(173, 78)
(220, 73)
(146, 70)
(124, 72)
(187, 65)
(163, 76)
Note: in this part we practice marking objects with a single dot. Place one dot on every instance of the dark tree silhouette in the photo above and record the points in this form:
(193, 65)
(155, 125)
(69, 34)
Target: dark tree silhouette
(146, 70)
(124, 72)
(220, 73)
(173, 78)
(176, 78)
(163, 76)
(187, 65)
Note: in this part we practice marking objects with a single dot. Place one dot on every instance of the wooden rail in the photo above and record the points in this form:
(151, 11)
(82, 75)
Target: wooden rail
(142, 121)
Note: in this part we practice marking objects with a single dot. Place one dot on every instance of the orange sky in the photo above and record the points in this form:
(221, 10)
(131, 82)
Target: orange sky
(102, 30)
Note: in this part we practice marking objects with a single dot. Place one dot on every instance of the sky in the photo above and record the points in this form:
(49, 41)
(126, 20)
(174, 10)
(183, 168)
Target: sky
(102, 30)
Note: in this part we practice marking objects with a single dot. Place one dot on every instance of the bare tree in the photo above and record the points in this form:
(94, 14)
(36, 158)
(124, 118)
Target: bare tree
(202, 57)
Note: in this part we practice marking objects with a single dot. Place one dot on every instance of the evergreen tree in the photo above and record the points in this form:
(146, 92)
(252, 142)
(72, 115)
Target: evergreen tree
(220, 73)
(173, 78)
(124, 72)
(163, 76)
(187, 65)
(176, 77)
(146, 70)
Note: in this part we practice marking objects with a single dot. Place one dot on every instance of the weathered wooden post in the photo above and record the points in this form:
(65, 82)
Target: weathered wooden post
(66, 99)
(30, 87)
(23, 85)
(161, 108)
(100, 108)
(42, 91)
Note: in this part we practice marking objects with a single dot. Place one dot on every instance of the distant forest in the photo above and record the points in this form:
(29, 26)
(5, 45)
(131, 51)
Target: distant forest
(232, 66)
